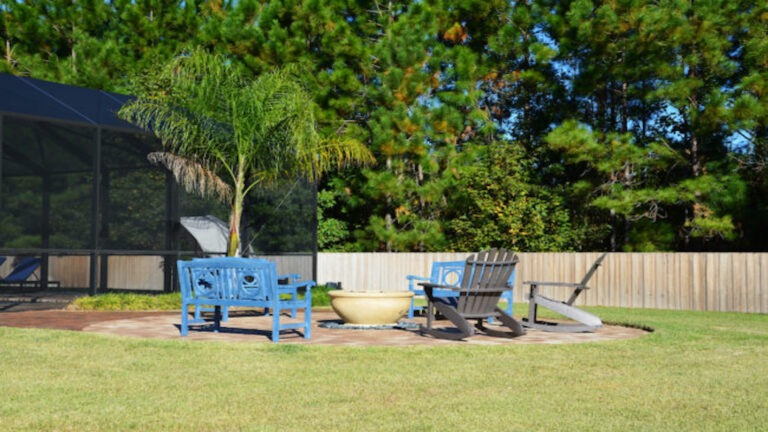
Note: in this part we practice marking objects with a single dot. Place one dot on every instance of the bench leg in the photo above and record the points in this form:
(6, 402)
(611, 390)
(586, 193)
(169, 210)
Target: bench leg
(308, 321)
(185, 319)
(275, 325)
(294, 297)
(216, 318)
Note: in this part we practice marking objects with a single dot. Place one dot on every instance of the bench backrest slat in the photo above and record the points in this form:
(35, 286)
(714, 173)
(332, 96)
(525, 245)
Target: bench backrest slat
(228, 279)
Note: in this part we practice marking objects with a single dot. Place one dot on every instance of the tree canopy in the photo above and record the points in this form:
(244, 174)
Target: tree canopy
(538, 125)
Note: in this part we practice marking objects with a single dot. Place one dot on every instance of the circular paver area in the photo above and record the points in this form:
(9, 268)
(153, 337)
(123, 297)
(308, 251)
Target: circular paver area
(245, 326)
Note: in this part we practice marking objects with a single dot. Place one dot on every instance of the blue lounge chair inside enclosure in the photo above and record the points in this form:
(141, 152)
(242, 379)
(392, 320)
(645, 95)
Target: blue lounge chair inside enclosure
(2, 260)
(18, 277)
(288, 286)
(449, 273)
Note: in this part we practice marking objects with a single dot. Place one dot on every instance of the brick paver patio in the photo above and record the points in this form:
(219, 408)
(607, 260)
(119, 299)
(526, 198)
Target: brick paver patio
(252, 327)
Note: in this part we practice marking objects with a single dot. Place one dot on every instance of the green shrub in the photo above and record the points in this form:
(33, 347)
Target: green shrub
(320, 296)
(128, 302)
(161, 302)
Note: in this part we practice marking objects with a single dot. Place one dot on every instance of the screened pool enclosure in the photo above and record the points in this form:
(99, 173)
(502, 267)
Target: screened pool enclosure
(77, 191)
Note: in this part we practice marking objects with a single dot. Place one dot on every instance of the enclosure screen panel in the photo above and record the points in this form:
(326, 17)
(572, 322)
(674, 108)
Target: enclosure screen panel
(132, 193)
(282, 219)
(47, 170)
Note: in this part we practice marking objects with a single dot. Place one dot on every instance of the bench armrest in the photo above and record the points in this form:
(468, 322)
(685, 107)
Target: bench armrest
(307, 284)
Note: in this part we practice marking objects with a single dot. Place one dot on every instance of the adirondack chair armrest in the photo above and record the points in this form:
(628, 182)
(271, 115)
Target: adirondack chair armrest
(412, 280)
(557, 284)
(434, 285)
(459, 289)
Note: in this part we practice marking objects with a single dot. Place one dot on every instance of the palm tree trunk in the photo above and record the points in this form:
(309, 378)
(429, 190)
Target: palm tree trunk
(233, 247)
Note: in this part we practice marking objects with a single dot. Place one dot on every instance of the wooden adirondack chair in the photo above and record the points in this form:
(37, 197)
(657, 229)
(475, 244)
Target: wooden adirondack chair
(449, 273)
(588, 322)
(484, 280)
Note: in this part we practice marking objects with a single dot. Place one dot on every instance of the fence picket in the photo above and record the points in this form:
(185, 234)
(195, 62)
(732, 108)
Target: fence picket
(695, 281)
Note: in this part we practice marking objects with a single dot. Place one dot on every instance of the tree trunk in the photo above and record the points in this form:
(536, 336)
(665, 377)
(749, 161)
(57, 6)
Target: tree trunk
(233, 246)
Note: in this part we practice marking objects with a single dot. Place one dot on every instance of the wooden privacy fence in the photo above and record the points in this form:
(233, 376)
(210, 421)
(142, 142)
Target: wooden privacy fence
(141, 272)
(733, 282)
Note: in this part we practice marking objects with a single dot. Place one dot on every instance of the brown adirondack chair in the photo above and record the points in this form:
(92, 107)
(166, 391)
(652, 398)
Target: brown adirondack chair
(483, 282)
(587, 322)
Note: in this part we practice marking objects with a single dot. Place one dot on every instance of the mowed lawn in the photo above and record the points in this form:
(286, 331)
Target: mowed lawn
(697, 371)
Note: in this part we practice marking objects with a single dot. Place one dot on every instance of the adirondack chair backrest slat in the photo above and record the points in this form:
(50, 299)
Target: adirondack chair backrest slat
(485, 279)
(593, 269)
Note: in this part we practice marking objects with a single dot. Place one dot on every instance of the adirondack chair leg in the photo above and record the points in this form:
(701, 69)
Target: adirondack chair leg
(533, 307)
(464, 328)
(516, 329)
(430, 313)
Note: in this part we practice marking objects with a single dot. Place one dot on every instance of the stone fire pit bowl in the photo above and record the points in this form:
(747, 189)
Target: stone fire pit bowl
(370, 307)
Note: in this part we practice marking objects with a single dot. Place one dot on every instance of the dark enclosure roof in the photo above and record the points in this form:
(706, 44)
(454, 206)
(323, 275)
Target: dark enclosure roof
(47, 100)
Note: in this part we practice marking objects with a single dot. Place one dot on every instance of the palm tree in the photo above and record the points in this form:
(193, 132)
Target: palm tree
(224, 134)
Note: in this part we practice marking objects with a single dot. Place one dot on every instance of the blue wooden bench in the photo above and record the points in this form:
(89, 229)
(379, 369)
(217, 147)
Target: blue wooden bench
(449, 273)
(240, 282)
(288, 285)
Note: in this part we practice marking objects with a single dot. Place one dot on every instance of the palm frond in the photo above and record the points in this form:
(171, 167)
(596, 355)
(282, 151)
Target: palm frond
(192, 176)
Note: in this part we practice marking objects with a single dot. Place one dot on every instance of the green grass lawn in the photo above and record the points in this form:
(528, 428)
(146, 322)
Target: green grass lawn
(696, 372)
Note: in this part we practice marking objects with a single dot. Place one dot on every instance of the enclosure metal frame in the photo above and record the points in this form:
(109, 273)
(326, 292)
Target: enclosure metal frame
(99, 267)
